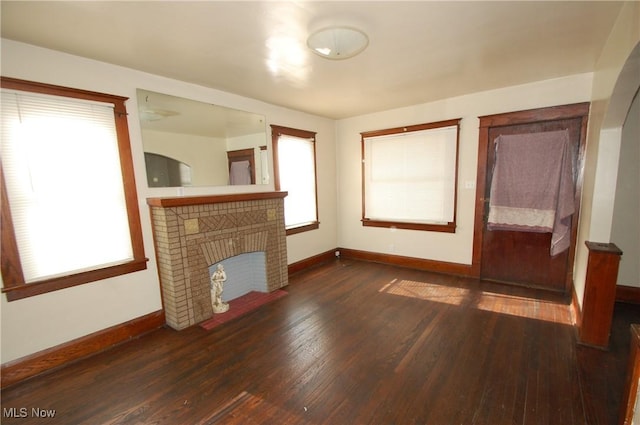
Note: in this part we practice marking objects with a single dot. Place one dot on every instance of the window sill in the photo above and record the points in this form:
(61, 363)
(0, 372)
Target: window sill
(302, 228)
(25, 290)
(445, 228)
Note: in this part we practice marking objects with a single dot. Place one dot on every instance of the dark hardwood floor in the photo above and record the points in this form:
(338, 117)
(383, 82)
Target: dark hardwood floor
(352, 343)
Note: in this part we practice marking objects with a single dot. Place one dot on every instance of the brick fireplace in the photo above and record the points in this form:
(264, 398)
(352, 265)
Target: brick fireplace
(192, 233)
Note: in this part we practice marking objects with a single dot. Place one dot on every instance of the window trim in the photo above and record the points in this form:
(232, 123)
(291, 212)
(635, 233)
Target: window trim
(276, 132)
(449, 227)
(14, 284)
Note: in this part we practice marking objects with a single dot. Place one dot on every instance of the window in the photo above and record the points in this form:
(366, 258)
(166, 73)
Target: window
(69, 203)
(409, 177)
(295, 172)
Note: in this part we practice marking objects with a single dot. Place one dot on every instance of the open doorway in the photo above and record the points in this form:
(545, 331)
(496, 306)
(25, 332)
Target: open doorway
(242, 167)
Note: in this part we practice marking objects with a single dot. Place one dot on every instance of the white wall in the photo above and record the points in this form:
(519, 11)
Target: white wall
(456, 247)
(625, 230)
(207, 156)
(604, 123)
(47, 320)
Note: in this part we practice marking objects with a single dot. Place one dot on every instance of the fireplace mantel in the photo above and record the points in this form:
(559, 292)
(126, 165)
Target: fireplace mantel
(181, 201)
(192, 233)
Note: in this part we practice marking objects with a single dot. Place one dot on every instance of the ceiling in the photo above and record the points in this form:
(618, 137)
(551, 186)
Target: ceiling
(419, 51)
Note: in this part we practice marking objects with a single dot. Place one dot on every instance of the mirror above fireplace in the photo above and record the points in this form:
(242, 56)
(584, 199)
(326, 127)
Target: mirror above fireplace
(192, 143)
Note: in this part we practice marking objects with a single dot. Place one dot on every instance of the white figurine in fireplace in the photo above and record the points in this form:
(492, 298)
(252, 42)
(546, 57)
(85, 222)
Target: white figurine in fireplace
(217, 283)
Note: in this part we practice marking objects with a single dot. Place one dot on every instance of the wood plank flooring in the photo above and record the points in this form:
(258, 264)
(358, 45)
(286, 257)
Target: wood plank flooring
(352, 343)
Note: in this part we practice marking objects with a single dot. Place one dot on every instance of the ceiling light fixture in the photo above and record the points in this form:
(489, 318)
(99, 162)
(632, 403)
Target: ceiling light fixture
(148, 113)
(156, 114)
(338, 42)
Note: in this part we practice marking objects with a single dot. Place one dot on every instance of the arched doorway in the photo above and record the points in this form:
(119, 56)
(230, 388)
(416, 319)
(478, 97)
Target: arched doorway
(623, 120)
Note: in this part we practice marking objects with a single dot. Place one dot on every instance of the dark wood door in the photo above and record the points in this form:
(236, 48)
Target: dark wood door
(524, 257)
(240, 156)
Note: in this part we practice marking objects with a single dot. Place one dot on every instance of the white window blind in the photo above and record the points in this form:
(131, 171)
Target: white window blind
(62, 171)
(296, 168)
(410, 177)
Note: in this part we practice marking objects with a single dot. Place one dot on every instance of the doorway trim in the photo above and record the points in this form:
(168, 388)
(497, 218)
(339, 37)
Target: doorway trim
(243, 155)
(531, 116)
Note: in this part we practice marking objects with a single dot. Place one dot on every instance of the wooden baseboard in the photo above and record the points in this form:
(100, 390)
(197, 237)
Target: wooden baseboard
(628, 294)
(411, 262)
(26, 367)
(324, 257)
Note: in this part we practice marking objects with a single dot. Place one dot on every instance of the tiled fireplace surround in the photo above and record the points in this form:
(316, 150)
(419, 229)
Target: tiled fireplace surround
(192, 233)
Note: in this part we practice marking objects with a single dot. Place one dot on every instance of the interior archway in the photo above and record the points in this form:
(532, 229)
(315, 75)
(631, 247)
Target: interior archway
(623, 119)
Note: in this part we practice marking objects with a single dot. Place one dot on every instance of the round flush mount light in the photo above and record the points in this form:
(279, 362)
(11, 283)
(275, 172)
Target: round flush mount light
(156, 114)
(338, 42)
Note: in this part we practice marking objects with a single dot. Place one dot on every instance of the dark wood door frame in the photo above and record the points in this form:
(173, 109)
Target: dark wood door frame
(243, 155)
(578, 110)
